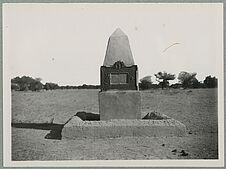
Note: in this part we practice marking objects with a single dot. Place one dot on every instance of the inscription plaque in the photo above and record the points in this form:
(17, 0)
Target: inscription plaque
(116, 78)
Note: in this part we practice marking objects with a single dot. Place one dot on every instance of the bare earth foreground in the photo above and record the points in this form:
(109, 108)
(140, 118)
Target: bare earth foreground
(196, 108)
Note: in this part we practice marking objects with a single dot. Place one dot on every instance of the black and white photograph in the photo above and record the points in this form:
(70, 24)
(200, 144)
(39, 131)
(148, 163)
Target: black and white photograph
(113, 84)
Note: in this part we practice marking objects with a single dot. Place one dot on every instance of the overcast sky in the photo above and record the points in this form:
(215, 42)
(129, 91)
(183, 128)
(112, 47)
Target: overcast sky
(66, 43)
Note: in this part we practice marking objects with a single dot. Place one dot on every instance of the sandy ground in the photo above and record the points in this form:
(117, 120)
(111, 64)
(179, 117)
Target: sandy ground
(29, 144)
(196, 108)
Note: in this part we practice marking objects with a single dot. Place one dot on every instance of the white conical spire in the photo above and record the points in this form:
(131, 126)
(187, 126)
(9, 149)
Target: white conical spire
(118, 49)
(118, 32)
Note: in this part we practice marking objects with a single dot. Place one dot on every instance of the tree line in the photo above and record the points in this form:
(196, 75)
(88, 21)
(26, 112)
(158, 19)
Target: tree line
(185, 79)
(26, 83)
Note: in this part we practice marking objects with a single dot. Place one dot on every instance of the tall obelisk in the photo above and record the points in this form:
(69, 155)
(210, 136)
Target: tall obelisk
(119, 97)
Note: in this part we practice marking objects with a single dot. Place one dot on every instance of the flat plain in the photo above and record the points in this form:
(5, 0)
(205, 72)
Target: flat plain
(196, 108)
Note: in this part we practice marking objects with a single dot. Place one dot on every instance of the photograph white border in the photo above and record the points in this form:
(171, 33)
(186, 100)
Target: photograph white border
(7, 162)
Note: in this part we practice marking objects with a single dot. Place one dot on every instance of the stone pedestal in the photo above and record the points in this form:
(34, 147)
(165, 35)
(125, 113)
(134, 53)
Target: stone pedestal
(76, 128)
(119, 105)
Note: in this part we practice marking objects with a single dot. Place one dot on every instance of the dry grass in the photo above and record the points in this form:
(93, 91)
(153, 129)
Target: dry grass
(196, 108)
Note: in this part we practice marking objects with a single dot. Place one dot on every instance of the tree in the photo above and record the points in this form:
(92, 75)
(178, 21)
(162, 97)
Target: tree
(23, 82)
(210, 82)
(36, 86)
(38, 79)
(27, 83)
(188, 80)
(145, 83)
(176, 86)
(15, 86)
(163, 78)
(15, 80)
(196, 84)
(51, 86)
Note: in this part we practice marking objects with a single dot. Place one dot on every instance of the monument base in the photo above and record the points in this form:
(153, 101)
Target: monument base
(76, 128)
(125, 104)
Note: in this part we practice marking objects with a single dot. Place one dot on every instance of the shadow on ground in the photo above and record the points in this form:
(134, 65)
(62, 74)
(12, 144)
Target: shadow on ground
(55, 129)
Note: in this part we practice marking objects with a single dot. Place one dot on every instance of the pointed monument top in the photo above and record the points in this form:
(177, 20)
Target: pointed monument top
(118, 32)
(118, 49)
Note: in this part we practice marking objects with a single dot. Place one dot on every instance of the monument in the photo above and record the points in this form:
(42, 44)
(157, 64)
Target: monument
(120, 101)
(119, 97)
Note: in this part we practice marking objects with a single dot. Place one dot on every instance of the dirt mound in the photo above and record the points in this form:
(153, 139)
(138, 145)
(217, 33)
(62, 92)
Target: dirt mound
(155, 116)
(87, 116)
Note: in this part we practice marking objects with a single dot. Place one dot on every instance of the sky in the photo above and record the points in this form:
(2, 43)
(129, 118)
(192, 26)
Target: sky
(66, 43)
